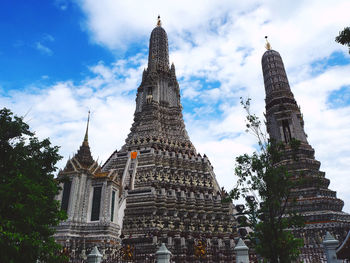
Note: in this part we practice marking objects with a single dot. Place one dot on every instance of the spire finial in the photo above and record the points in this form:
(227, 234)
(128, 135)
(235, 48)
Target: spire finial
(159, 23)
(86, 141)
(267, 45)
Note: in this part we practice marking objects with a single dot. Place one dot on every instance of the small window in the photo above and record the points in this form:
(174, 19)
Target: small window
(286, 131)
(66, 194)
(112, 206)
(96, 203)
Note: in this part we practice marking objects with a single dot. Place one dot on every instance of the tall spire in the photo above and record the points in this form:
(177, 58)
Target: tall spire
(84, 155)
(158, 58)
(158, 120)
(86, 138)
(275, 76)
(159, 84)
(319, 206)
(283, 116)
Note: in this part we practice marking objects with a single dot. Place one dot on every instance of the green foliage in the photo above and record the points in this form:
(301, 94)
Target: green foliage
(269, 218)
(27, 190)
(344, 37)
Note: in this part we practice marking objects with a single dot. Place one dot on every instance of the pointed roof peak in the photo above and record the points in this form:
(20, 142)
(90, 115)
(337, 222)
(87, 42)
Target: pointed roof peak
(84, 154)
(86, 137)
(83, 158)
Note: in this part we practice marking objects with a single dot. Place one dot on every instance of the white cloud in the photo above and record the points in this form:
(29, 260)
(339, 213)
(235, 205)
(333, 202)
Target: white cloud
(59, 111)
(43, 49)
(41, 45)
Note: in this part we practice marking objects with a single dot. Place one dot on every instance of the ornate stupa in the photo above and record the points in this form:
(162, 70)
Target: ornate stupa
(319, 206)
(171, 194)
(155, 189)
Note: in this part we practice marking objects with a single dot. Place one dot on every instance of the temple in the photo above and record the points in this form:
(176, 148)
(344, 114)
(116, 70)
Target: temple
(319, 206)
(155, 189)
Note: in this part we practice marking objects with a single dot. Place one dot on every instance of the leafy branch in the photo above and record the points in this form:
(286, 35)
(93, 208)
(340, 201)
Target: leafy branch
(269, 215)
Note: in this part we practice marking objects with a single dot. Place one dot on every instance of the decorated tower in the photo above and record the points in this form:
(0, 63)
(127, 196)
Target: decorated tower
(319, 206)
(170, 195)
(90, 198)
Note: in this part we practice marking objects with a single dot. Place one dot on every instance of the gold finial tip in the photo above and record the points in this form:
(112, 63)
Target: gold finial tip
(159, 23)
(267, 45)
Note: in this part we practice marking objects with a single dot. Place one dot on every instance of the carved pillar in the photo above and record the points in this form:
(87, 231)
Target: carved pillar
(95, 256)
(330, 244)
(163, 254)
(241, 251)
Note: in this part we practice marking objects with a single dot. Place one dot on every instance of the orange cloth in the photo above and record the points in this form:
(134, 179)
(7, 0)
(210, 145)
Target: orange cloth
(133, 155)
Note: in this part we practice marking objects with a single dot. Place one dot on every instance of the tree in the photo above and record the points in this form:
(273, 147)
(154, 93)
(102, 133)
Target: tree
(28, 210)
(270, 219)
(344, 37)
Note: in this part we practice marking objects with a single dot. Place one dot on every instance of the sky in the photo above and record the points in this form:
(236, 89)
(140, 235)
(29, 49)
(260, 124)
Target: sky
(61, 58)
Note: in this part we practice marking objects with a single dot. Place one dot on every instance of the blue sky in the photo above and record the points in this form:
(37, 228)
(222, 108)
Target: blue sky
(60, 58)
(41, 42)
